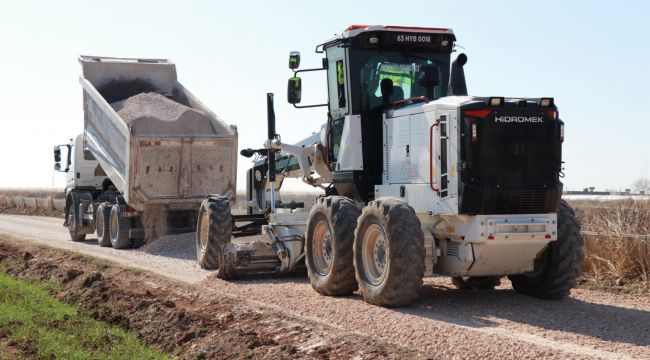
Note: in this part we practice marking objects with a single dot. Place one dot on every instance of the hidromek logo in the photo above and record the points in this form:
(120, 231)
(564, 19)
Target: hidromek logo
(518, 119)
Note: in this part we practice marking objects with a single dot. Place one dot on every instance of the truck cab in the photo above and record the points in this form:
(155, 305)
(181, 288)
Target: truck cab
(81, 167)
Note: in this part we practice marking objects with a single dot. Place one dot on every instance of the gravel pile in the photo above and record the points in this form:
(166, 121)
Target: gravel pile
(154, 114)
(181, 246)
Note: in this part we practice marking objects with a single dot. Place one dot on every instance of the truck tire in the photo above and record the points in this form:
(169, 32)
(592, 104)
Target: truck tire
(74, 218)
(389, 253)
(119, 229)
(328, 245)
(103, 225)
(558, 267)
(214, 231)
(476, 282)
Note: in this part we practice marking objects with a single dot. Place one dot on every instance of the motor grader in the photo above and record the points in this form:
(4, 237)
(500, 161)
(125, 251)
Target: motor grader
(417, 177)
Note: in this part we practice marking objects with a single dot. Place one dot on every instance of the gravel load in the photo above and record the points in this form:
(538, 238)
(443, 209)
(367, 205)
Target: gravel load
(154, 114)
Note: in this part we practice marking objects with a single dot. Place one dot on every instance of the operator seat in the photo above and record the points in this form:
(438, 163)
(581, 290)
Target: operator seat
(398, 94)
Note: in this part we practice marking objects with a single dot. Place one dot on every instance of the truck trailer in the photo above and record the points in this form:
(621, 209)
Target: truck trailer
(149, 154)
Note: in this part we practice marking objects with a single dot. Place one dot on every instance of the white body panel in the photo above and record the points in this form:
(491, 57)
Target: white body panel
(455, 244)
(412, 144)
(350, 156)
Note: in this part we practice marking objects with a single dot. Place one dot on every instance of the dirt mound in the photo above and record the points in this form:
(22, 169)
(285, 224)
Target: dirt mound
(154, 114)
(184, 320)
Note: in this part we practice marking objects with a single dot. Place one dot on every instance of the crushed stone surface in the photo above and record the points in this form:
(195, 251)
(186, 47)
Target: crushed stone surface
(154, 114)
(444, 323)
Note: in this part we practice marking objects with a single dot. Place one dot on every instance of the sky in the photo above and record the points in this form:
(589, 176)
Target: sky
(593, 57)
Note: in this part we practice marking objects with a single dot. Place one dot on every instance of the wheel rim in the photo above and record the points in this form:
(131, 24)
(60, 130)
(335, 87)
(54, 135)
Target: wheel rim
(375, 254)
(71, 221)
(322, 248)
(203, 231)
(114, 225)
(100, 223)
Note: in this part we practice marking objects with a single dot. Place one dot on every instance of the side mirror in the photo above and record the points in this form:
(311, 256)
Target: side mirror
(57, 154)
(294, 60)
(294, 90)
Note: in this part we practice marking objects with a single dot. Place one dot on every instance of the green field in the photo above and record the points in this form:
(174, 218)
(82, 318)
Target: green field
(44, 327)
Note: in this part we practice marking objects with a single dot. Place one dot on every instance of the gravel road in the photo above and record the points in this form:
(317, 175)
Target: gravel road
(444, 323)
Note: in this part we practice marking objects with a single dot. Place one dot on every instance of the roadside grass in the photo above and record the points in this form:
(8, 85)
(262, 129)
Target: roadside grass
(41, 326)
(615, 259)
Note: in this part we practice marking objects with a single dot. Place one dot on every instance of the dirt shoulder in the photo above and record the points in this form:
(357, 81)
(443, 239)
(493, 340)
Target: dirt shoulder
(183, 319)
(32, 211)
(9, 349)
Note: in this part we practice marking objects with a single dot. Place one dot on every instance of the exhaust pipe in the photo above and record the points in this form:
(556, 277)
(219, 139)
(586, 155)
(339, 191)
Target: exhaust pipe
(457, 84)
(270, 113)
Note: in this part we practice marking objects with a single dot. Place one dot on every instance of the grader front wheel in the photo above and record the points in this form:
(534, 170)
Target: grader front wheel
(328, 245)
(214, 230)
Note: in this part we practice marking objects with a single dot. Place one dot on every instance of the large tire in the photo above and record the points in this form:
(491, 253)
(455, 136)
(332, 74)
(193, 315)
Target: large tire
(119, 229)
(394, 277)
(103, 225)
(477, 282)
(328, 245)
(74, 218)
(214, 231)
(558, 267)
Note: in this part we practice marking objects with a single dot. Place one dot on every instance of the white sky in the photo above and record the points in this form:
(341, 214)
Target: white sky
(591, 56)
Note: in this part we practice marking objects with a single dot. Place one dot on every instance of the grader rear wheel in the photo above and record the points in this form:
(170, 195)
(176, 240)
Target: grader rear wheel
(558, 267)
(389, 253)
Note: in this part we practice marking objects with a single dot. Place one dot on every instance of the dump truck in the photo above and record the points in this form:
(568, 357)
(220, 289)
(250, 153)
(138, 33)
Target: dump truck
(418, 178)
(149, 154)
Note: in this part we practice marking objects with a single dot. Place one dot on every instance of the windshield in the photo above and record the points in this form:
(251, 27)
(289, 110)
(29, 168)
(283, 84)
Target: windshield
(409, 76)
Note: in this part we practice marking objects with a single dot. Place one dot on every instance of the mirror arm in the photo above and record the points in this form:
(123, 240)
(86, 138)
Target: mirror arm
(295, 73)
(308, 106)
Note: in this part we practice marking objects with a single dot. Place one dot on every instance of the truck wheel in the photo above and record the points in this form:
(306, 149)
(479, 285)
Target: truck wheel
(119, 229)
(103, 225)
(558, 267)
(476, 282)
(328, 245)
(74, 226)
(214, 230)
(389, 253)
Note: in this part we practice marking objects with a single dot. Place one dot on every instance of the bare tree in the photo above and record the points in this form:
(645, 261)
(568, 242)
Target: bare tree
(641, 184)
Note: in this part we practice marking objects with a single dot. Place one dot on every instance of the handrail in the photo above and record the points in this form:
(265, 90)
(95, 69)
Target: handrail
(431, 145)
